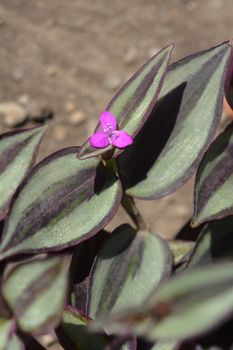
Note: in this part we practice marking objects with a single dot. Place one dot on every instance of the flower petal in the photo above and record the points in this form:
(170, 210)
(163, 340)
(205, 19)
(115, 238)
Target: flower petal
(106, 119)
(99, 140)
(122, 139)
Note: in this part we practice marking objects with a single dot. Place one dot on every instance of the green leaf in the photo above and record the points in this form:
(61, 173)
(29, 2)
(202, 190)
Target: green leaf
(15, 343)
(62, 202)
(128, 267)
(215, 243)
(180, 250)
(18, 151)
(9, 340)
(188, 305)
(5, 328)
(133, 103)
(30, 286)
(74, 334)
(214, 180)
(80, 267)
(171, 144)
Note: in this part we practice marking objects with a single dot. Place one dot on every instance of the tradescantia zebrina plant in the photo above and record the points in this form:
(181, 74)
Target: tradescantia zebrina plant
(63, 273)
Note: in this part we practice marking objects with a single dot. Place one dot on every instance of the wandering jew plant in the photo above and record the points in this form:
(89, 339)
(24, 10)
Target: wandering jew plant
(63, 273)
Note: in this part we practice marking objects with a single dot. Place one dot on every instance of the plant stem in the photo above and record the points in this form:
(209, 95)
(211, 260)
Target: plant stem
(127, 201)
(131, 209)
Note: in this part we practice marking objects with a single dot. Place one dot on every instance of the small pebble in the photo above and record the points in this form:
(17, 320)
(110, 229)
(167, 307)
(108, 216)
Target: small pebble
(13, 114)
(17, 74)
(47, 339)
(76, 118)
(60, 133)
(131, 55)
(181, 210)
(45, 114)
(52, 71)
(70, 107)
(216, 4)
(24, 99)
(50, 22)
(9, 36)
(38, 113)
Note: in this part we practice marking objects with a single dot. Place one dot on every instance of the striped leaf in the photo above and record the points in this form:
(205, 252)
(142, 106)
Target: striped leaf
(17, 155)
(171, 144)
(63, 201)
(74, 334)
(29, 287)
(8, 340)
(213, 186)
(128, 267)
(133, 103)
(80, 267)
(188, 305)
(215, 243)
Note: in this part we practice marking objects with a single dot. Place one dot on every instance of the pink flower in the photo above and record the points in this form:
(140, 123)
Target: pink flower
(109, 135)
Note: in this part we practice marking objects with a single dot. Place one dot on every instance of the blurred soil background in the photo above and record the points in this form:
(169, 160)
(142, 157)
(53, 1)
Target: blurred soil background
(68, 57)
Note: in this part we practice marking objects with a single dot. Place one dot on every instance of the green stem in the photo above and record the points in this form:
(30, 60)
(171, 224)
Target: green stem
(131, 209)
(127, 201)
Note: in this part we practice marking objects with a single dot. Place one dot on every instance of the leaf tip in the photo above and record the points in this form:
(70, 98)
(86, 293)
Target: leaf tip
(196, 221)
(230, 42)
